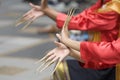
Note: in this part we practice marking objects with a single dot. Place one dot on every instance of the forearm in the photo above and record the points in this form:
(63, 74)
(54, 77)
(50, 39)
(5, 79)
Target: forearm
(51, 13)
(75, 54)
(72, 44)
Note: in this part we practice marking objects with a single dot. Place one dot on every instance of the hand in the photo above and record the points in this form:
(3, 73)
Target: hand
(60, 52)
(57, 54)
(64, 35)
(36, 10)
(34, 13)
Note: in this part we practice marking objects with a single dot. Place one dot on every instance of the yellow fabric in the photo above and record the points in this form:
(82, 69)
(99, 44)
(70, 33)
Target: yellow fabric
(114, 5)
(62, 72)
(94, 36)
(118, 72)
(118, 65)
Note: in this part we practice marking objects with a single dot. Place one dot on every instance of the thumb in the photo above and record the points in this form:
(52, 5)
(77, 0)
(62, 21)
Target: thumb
(57, 43)
(58, 36)
(34, 6)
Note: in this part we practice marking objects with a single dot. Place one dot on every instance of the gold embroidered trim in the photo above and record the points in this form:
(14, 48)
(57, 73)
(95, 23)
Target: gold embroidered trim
(118, 72)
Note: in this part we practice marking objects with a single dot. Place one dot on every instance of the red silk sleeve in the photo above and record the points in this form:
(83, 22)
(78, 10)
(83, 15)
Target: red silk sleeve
(100, 55)
(90, 20)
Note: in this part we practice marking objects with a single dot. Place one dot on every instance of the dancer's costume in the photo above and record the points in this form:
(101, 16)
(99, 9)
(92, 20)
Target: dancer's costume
(102, 26)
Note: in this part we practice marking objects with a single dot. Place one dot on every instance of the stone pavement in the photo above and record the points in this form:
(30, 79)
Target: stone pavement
(20, 49)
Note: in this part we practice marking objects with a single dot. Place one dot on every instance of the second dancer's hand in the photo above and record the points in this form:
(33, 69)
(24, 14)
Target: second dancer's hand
(36, 11)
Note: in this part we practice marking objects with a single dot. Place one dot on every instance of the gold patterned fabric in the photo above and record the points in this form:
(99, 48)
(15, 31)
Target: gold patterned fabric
(118, 72)
(114, 5)
(62, 72)
(118, 65)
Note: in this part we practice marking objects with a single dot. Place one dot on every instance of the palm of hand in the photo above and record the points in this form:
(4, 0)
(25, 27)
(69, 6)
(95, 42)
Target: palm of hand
(33, 14)
(36, 13)
(58, 53)
(61, 52)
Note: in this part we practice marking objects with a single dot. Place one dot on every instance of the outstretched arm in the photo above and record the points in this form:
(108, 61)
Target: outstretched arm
(101, 55)
(89, 19)
(60, 52)
(40, 10)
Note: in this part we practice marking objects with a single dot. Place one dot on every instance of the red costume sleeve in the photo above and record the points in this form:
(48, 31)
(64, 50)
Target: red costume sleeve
(100, 55)
(89, 19)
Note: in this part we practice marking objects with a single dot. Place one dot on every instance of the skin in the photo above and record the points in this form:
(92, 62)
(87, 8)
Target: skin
(67, 46)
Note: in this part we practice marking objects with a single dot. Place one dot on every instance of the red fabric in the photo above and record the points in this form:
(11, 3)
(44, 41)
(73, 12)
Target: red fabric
(106, 23)
(100, 55)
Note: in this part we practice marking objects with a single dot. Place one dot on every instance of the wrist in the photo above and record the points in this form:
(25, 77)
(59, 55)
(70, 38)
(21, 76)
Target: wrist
(46, 10)
(65, 41)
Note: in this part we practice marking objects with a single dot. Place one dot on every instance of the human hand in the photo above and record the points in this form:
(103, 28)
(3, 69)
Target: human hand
(56, 54)
(33, 14)
(64, 35)
(36, 11)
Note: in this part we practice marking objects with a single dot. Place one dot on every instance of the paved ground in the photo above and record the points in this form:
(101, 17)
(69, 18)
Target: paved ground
(19, 50)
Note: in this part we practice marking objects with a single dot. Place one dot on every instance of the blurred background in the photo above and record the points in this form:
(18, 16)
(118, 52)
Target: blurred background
(20, 49)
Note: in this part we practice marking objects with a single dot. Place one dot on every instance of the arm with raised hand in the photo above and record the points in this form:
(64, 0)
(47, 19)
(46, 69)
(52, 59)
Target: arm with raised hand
(100, 54)
(60, 52)
(40, 10)
(87, 20)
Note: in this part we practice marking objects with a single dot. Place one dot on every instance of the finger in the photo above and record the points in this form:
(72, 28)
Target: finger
(34, 6)
(29, 23)
(55, 59)
(20, 22)
(59, 36)
(70, 13)
(45, 57)
(57, 43)
(50, 58)
(42, 58)
(28, 13)
(46, 66)
(23, 20)
(46, 63)
(28, 17)
(40, 66)
(58, 62)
